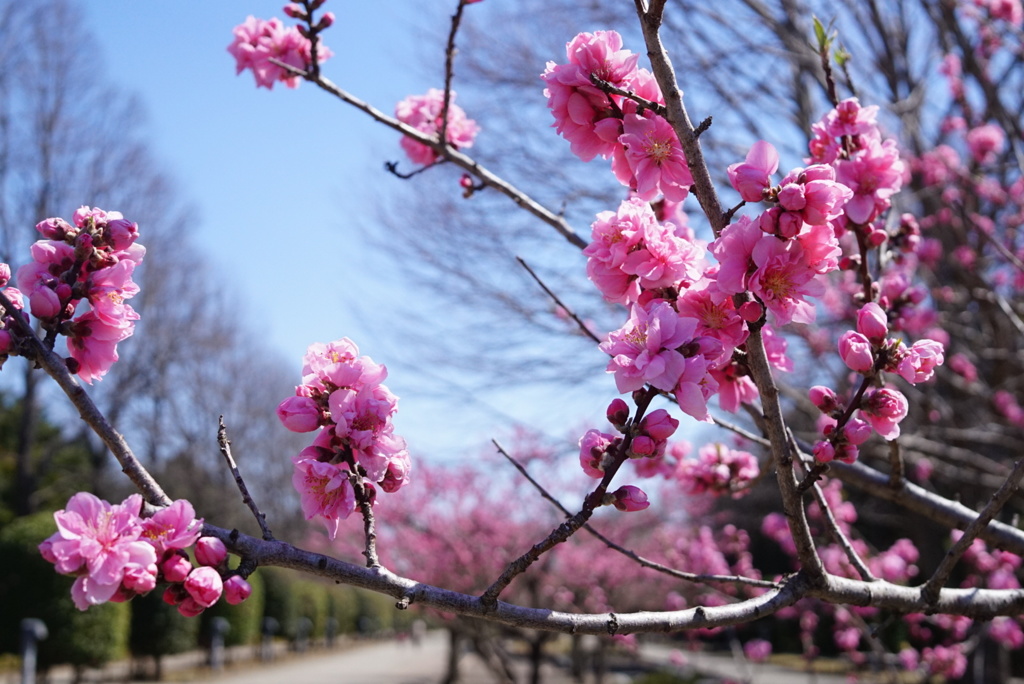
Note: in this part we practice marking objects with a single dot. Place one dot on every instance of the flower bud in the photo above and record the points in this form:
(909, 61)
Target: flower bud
(300, 414)
(210, 551)
(872, 322)
(629, 498)
(824, 398)
(855, 350)
(236, 590)
(176, 568)
(618, 413)
(204, 585)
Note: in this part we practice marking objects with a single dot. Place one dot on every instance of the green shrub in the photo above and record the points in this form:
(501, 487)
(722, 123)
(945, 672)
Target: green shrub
(29, 587)
(280, 599)
(246, 618)
(159, 629)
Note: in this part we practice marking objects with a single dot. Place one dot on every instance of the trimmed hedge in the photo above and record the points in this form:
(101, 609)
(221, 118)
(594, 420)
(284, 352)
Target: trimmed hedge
(29, 587)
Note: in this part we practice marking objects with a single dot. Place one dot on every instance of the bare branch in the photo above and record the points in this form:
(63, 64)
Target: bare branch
(225, 450)
(930, 590)
(464, 162)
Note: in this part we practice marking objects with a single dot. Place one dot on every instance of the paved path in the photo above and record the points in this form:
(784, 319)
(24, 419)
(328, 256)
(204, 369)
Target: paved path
(391, 662)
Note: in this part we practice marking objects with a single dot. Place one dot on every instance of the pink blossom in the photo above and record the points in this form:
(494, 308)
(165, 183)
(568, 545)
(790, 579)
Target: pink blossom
(920, 361)
(629, 498)
(204, 585)
(985, 142)
(236, 590)
(718, 470)
(93, 344)
(883, 409)
(874, 173)
(423, 112)
(753, 176)
(757, 650)
(715, 314)
(172, 528)
(644, 350)
(783, 279)
(734, 249)
(655, 158)
(257, 41)
(210, 551)
(97, 541)
(584, 115)
(325, 492)
(594, 444)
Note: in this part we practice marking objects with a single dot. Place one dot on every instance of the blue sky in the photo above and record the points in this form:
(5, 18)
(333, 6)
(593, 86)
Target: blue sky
(280, 179)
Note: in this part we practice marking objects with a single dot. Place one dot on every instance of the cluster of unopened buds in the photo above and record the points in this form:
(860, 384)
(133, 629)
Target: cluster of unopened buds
(869, 351)
(92, 260)
(115, 555)
(341, 395)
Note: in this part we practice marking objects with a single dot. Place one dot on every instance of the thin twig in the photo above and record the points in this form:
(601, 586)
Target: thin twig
(632, 555)
(568, 528)
(225, 449)
(840, 537)
(392, 168)
(572, 314)
(449, 63)
(896, 470)
(930, 590)
(458, 158)
(57, 369)
(644, 103)
(369, 524)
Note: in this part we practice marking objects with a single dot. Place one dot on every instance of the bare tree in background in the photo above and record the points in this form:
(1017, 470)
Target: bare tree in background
(67, 138)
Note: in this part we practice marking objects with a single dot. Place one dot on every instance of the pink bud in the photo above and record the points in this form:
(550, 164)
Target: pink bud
(856, 432)
(299, 414)
(593, 445)
(752, 177)
(791, 197)
(642, 445)
(175, 594)
(204, 585)
(139, 579)
(326, 21)
(629, 498)
(872, 322)
(618, 413)
(824, 398)
(236, 590)
(824, 452)
(210, 551)
(176, 568)
(855, 350)
(122, 233)
(44, 303)
(659, 425)
(190, 607)
(5, 274)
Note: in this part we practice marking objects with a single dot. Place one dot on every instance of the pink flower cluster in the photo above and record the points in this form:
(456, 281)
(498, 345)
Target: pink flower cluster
(423, 112)
(868, 351)
(645, 151)
(116, 555)
(718, 470)
(848, 138)
(258, 41)
(92, 260)
(341, 395)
